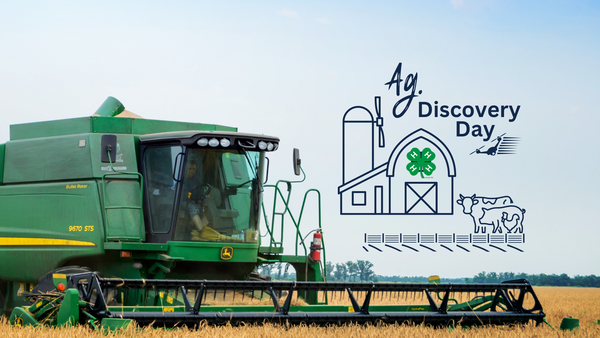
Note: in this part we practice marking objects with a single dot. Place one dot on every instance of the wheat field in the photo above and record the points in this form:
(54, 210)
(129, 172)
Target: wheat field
(558, 302)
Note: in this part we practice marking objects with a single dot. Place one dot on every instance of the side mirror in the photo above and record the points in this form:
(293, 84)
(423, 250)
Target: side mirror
(267, 171)
(297, 161)
(109, 142)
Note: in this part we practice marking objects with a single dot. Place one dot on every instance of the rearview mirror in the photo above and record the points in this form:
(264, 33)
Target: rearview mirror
(297, 161)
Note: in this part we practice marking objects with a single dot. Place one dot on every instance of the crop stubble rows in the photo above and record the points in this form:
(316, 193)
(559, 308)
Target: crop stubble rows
(558, 302)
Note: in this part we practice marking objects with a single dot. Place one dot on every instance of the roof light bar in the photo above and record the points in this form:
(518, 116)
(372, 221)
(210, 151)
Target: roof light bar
(203, 142)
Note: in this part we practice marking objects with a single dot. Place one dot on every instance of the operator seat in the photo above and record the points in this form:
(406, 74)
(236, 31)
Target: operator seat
(220, 220)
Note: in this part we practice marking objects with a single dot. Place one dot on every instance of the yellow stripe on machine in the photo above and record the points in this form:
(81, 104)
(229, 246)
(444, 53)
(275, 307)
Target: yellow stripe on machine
(434, 279)
(28, 241)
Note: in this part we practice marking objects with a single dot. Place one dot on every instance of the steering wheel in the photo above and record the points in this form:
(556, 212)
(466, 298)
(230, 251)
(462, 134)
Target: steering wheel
(204, 189)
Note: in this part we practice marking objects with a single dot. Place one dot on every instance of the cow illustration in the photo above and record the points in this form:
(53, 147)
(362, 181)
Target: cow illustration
(474, 206)
(510, 216)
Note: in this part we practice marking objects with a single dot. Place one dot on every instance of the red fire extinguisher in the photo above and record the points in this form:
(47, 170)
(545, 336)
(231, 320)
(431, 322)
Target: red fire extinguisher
(316, 246)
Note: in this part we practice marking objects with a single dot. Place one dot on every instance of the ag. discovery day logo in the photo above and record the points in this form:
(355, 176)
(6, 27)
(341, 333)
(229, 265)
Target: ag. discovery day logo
(419, 176)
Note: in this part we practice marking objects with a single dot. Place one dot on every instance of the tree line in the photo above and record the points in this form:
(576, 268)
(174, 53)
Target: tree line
(359, 271)
(537, 280)
(362, 271)
(278, 271)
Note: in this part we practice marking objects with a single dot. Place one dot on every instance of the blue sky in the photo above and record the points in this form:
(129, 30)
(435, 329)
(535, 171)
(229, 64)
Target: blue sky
(291, 69)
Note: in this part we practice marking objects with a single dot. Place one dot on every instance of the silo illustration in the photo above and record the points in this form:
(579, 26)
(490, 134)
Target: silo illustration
(358, 140)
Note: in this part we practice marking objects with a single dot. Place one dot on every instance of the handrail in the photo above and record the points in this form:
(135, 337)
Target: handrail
(286, 201)
(272, 243)
(320, 228)
(105, 207)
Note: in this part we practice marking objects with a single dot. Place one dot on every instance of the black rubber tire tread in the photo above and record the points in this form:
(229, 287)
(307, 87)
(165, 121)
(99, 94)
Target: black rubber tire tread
(3, 287)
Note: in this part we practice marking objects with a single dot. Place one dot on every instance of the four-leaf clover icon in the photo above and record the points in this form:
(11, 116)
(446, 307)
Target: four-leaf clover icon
(420, 162)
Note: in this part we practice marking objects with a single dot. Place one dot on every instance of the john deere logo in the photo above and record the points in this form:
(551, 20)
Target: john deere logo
(226, 253)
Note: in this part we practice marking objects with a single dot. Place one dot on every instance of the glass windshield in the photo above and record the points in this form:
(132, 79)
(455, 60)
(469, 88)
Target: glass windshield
(161, 166)
(219, 201)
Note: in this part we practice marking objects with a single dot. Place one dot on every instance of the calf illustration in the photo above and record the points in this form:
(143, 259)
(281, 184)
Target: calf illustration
(511, 217)
(474, 206)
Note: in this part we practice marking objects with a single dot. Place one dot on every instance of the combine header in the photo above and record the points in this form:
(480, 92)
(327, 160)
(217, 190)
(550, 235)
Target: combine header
(169, 303)
(123, 219)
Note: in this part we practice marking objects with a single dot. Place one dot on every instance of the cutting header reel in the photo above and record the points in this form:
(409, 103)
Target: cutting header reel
(111, 302)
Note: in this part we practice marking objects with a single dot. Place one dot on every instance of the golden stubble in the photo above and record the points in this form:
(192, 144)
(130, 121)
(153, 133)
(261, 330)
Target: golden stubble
(558, 302)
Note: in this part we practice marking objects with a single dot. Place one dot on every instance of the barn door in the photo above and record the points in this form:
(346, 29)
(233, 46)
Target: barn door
(421, 198)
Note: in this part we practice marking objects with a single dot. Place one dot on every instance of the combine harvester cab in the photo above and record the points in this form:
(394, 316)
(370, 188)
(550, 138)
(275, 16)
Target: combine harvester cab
(117, 219)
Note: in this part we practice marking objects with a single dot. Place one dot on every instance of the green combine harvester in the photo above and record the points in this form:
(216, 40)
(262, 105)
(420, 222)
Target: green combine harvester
(105, 220)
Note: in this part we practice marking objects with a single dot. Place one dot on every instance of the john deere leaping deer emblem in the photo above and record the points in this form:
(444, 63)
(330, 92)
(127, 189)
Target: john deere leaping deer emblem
(226, 253)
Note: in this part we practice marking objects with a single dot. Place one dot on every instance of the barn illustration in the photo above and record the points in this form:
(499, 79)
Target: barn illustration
(389, 188)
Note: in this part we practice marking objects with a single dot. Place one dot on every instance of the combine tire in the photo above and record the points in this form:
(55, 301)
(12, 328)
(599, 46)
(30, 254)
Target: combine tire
(3, 295)
(255, 276)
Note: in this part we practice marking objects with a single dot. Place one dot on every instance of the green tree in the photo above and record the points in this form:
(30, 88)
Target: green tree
(479, 278)
(537, 280)
(502, 276)
(265, 269)
(352, 270)
(341, 272)
(285, 271)
(364, 270)
(330, 268)
(492, 277)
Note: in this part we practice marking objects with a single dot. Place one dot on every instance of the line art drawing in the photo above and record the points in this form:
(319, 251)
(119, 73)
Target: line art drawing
(495, 211)
(417, 179)
(504, 146)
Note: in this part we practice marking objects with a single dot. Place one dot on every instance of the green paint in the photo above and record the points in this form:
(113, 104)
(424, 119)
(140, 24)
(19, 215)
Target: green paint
(2, 151)
(60, 205)
(68, 313)
(122, 207)
(20, 317)
(114, 324)
(105, 125)
(111, 107)
(569, 324)
(47, 210)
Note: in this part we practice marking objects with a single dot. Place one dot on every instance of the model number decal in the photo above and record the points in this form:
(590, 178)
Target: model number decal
(79, 228)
